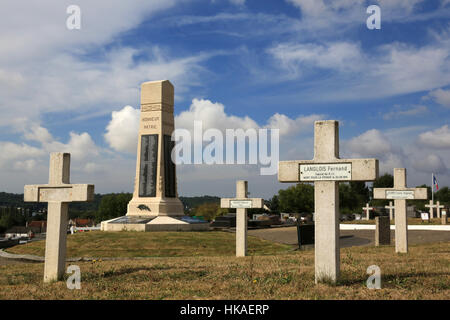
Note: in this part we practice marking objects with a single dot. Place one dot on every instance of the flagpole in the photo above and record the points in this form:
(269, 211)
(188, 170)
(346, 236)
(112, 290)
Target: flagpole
(432, 188)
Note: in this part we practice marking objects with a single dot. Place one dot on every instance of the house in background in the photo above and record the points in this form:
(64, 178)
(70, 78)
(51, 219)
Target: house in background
(81, 223)
(37, 226)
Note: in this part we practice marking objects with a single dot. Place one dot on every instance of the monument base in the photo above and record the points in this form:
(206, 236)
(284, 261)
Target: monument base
(154, 223)
(155, 206)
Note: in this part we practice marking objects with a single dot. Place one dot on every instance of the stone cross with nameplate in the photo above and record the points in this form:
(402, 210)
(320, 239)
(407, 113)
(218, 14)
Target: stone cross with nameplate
(326, 170)
(241, 203)
(58, 193)
(400, 193)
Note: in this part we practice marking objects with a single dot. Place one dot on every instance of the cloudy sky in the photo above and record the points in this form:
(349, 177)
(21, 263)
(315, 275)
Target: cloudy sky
(234, 64)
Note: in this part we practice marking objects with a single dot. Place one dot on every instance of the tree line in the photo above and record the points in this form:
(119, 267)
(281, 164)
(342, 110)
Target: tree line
(298, 198)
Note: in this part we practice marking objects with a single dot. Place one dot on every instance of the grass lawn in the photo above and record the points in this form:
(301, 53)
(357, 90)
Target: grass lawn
(272, 272)
(411, 221)
(153, 244)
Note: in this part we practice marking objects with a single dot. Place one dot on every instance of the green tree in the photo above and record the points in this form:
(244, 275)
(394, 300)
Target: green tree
(443, 196)
(297, 199)
(385, 181)
(209, 210)
(274, 204)
(112, 206)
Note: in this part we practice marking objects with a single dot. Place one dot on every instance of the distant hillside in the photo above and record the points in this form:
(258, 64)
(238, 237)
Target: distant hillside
(11, 199)
(16, 200)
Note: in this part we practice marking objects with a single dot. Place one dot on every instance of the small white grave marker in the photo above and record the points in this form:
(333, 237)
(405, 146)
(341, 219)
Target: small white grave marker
(391, 208)
(400, 194)
(431, 206)
(241, 203)
(438, 209)
(367, 209)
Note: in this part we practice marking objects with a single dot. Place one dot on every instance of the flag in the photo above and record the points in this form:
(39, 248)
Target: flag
(435, 183)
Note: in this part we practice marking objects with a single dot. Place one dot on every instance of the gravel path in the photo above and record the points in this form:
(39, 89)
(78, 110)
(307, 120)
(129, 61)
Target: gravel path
(351, 238)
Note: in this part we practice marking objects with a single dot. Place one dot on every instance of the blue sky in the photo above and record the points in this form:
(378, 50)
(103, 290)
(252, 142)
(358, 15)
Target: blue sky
(249, 63)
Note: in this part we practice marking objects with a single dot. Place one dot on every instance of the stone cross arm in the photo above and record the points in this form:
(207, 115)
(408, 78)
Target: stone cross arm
(238, 203)
(390, 206)
(337, 170)
(59, 193)
(431, 205)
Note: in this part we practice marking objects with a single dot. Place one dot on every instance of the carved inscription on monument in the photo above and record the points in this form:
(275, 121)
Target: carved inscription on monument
(153, 122)
(149, 157)
(169, 168)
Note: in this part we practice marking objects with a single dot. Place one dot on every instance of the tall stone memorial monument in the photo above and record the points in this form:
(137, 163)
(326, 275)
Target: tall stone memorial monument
(400, 193)
(155, 205)
(58, 193)
(326, 170)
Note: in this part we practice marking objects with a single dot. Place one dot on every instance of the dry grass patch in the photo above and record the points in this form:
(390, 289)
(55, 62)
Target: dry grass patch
(423, 273)
(153, 244)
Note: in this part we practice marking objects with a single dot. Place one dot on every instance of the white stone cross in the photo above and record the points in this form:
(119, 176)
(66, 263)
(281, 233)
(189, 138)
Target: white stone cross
(367, 209)
(326, 170)
(241, 203)
(438, 209)
(400, 193)
(58, 193)
(431, 206)
(391, 208)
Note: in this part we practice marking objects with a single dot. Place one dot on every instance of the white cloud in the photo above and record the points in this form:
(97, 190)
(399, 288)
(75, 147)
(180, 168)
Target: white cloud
(122, 131)
(371, 143)
(331, 14)
(212, 115)
(430, 163)
(396, 149)
(107, 83)
(388, 70)
(439, 138)
(374, 144)
(397, 112)
(49, 69)
(38, 29)
(288, 126)
(12, 152)
(441, 97)
(298, 57)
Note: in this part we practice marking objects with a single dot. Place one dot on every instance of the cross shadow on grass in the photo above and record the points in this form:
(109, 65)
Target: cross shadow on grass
(393, 279)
